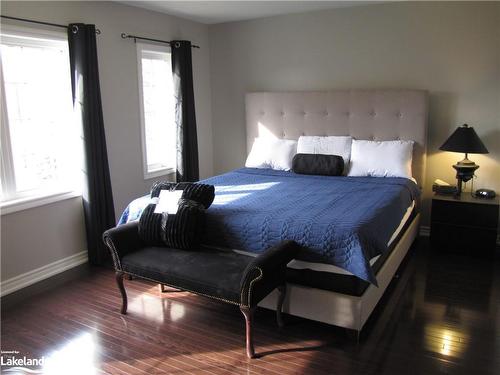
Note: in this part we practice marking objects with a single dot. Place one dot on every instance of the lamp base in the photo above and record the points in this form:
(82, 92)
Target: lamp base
(465, 171)
(465, 162)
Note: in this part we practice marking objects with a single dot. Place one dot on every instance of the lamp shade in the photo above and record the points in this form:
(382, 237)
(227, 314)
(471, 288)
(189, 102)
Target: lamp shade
(465, 140)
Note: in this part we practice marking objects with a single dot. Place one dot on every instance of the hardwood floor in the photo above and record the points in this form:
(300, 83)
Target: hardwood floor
(440, 316)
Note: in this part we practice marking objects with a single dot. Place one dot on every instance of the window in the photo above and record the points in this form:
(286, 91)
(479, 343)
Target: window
(41, 146)
(157, 110)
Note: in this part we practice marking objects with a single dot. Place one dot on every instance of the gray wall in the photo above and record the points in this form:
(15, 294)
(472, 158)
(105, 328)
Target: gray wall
(36, 237)
(39, 236)
(450, 49)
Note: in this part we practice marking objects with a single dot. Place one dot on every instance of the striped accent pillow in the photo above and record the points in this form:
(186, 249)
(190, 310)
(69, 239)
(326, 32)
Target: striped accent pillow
(184, 229)
(150, 226)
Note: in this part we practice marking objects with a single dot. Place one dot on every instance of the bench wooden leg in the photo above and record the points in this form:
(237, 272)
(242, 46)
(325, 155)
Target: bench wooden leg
(166, 289)
(248, 314)
(279, 307)
(119, 281)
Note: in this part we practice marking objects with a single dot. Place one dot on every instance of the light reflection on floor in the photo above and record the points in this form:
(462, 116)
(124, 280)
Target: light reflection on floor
(445, 341)
(75, 358)
(156, 309)
(78, 357)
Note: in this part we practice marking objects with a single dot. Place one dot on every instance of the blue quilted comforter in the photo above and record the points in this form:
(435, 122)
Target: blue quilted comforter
(344, 221)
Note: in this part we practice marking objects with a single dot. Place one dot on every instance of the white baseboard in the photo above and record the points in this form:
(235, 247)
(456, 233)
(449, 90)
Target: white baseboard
(425, 231)
(31, 277)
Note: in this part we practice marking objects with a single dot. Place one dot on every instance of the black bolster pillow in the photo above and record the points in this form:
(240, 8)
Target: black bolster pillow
(318, 164)
(200, 193)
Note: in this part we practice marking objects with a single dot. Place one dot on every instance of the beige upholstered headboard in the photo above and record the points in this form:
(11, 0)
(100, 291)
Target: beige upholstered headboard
(363, 114)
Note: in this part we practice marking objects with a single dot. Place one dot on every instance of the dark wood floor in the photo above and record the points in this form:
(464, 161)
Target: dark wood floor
(440, 316)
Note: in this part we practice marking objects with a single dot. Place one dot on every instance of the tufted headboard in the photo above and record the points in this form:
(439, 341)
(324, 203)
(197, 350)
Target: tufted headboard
(363, 114)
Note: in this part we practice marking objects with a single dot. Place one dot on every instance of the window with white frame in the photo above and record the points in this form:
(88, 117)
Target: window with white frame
(157, 109)
(41, 142)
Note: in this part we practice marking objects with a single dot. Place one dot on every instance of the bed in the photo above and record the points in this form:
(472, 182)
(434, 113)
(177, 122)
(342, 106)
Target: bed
(363, 114)
(354, 231)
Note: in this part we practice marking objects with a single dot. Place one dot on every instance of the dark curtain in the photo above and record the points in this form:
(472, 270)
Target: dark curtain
(185, 117)
(97, 196)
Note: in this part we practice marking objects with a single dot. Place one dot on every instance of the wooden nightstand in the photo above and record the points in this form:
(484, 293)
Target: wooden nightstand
(464, 224)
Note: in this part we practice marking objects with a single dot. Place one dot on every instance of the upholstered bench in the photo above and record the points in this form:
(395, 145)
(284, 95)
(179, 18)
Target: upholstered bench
(222, 275)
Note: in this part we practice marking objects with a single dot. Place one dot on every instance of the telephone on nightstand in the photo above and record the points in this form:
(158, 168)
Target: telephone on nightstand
(485, 193)
(442, 187)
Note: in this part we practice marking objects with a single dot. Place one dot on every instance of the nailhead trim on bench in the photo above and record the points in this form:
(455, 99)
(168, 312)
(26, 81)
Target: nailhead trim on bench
(114, 253)
(261, 275)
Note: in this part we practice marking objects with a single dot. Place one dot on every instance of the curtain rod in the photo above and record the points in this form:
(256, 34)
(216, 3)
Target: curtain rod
(135, 37)
(97, 31)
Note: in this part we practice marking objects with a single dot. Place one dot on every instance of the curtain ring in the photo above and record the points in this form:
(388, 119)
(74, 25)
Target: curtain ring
(177, 45)
(74, 29)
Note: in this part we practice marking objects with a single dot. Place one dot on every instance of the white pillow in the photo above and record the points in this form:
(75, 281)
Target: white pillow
(381, 159)
(331, 145)
(272, 153)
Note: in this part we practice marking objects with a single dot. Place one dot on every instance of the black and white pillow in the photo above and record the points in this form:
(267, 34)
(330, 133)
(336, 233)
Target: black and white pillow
(182, 229)
(201, 193)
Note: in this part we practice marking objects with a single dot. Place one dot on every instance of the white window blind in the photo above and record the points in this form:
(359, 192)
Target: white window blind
(157, 110)
(41, 145)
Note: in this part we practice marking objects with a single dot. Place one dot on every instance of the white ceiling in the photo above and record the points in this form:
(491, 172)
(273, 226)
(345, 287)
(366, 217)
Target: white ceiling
(211, 12)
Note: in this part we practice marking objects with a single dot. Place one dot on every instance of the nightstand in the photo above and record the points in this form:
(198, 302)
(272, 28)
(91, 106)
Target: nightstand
(464, 224)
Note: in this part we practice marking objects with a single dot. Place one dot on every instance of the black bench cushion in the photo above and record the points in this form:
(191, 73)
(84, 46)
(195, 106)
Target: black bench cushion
(215, 273)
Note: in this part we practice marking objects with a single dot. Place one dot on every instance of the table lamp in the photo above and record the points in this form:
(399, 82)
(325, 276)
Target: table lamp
(465, 140)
